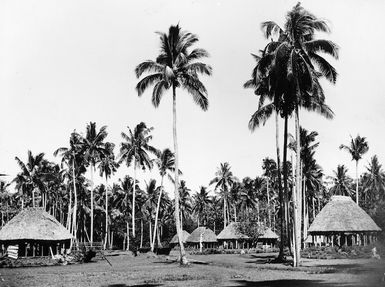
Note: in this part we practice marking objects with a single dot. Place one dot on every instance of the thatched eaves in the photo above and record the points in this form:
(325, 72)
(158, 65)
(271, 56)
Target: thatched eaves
(269, 234)
(207, 235)
(34, 224)
(175, 239)
(342, 214)
(231, 232)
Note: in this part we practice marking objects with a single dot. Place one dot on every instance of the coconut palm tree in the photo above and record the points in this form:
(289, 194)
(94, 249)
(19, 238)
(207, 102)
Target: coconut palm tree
(94, 151)
(374, 181)
(33, 177)
(223, 180)
(184, 202)
(107, 167)
(201, 205)
(166, 164)
(358, 147)
(73, 157)
(341, 181)
(296, 73)
(150, 194)
(136, 148)
(176, 67)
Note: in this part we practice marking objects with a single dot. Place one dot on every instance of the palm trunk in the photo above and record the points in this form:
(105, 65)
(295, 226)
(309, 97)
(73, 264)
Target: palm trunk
(92, 205)
(141, 232)
(133, 200)
(224, 214)
(297, 194)
(357, 182)
(285, 179)
(157, 213)
(280, 191)
(33, 197)
(268, 201)
(235, 212)
(74, 214)
(183, 259)
(150, 231)
(127, 236)
(106, 236)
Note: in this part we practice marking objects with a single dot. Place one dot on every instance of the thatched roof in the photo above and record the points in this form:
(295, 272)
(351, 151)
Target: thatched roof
(231, 232)
(34, 224)
(175, 240)
(269, 234)
(208, 235)
(342, 214)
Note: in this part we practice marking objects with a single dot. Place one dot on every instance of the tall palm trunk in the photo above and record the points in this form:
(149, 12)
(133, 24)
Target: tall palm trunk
(157, 214)
(183, 259)
(296, 194)
(357, 182)
(68, 224)
(74, 214)
(285, 179)
(224, 213)
(92, 204)
(133, 200)
(106, 236)
(281, 201)
(33, 197)
(268, 201)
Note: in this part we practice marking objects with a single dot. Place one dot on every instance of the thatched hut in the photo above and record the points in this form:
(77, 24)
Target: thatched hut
(343, 222)
(230, 237)
(268, 238)
(175, 241)
(36, 233)
(204, 235)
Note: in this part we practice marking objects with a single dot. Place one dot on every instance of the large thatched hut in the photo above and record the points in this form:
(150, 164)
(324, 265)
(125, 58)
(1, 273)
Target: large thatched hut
(343, 222)
(35, 233)
(204, 235)
(175, 241)
(230, 237)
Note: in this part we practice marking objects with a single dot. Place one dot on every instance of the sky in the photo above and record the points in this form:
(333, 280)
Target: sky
(66, 63)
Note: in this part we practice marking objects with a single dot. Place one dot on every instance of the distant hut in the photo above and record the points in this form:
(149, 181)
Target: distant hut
(268, 238)
(175, 241)
(343, 222)
(35, 233)
(230, 237)
(208, 237)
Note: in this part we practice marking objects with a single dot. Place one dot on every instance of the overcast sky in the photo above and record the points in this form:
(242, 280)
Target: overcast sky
(66, 63)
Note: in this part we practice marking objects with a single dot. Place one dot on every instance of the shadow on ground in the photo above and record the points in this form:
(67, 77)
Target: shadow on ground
(266, 259)
(137, 285)
(289, 283)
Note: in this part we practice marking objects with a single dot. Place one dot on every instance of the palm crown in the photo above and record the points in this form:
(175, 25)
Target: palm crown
(175, 67)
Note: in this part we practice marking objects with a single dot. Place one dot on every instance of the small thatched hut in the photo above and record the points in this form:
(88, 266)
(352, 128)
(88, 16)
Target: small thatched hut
(343, 222)
(206, 235)
(175, 241)
(230, 237)
(36, 233)
(269, 238)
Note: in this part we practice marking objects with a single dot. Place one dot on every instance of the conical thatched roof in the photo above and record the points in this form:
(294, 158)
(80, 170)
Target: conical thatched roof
(269, 234)
(208, 235)
(342, 214)
(34, 224)
(175, 240)
(231, 232)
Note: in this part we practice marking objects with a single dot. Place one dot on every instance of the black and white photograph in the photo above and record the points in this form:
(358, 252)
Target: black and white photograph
(192, 143)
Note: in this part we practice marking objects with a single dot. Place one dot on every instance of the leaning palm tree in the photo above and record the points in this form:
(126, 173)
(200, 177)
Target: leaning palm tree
(94, 151)
(165, 163)
(107, 167)
(176, 67)
(358, 147)
(135, 148)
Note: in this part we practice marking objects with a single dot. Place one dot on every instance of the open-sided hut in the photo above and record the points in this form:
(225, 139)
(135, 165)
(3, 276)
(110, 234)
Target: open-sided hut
(206, 235)
(230, 237)
(343, 222)
(175, 241)
(269, 237)
(36, 233)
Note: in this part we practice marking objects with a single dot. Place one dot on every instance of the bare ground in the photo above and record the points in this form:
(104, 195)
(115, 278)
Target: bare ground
(211, 270)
